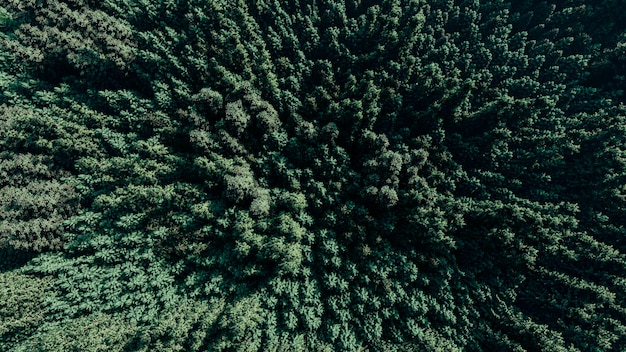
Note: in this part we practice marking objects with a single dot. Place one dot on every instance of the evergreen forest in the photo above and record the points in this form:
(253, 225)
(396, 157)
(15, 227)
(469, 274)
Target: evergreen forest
(312, 175)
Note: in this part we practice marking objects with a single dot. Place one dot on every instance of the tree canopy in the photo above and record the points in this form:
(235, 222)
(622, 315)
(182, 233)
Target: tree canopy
(329, 175)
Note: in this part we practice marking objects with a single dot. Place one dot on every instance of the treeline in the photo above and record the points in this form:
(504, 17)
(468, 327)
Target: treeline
(326, 175)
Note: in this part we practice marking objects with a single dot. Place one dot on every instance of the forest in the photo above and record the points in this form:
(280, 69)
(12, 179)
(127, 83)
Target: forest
(312, 175)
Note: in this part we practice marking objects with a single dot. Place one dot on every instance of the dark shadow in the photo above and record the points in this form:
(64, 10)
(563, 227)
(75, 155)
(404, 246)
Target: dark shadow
(11, 259)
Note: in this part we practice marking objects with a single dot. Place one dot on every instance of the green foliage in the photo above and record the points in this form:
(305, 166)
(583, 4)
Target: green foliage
(22, 309)
(36, 193)
(96, 332)
(331, 175)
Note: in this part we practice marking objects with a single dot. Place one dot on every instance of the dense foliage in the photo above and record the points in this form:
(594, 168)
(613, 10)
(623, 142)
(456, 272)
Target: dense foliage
(320, 175)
